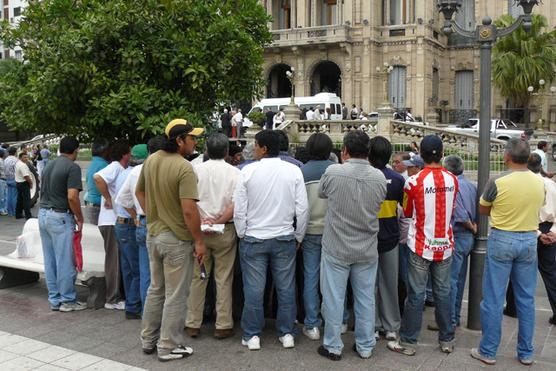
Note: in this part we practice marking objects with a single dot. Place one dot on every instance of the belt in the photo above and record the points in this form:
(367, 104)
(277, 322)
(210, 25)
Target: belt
(121, 220)
(65, 211)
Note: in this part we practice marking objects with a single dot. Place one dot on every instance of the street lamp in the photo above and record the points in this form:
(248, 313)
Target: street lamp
(486, 35)
(291, 76)
(531, 91)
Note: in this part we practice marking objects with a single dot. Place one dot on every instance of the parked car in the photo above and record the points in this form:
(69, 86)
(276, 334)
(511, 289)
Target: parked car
(503, 129)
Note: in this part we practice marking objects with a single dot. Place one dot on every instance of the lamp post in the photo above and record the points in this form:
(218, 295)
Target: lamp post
(291, 76)
(486, 35)
(291, 111)
(531, 90)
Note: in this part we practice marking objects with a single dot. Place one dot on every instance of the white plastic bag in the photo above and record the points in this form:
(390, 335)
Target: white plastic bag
(23, 251)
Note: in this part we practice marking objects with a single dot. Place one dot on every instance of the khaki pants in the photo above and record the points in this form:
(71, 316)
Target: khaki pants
(91, 214)
(171, 263)
(222, 248)
(111, 264)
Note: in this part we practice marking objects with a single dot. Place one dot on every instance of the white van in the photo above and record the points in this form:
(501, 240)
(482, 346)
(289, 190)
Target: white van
(322, 101)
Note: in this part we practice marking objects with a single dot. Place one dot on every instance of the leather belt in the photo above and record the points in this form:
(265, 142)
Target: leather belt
(121, 220)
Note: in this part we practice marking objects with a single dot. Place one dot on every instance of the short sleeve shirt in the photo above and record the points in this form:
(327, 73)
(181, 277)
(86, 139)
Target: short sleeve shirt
(21, 171)
(109, 174)
(166, 178)
(515, 200)
(57, 177)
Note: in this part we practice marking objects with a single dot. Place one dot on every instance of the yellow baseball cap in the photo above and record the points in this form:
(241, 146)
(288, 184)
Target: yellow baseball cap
(179, 127)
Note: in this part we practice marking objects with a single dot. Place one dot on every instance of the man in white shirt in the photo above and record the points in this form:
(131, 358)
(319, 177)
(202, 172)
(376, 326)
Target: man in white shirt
(269, 194)
(127, 199)
(216, 183)
(542, 149)
(23, 183)
(279, 118)
(237, 122)
(310, 115)
(106, 181)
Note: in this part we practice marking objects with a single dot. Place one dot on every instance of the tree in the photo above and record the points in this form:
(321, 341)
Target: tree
(126, 67)
(523, 58)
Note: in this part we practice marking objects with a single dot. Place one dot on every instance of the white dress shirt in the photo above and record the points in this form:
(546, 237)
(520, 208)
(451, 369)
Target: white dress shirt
(548, 211)
(126, 197)
(21, 171)
(268, 195)
(544, 162)
(216, 185)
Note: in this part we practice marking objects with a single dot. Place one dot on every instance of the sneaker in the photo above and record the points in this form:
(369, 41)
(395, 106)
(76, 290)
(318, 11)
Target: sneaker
(3, 213)
(54, 308)
(72, 307)
(313, 333)
(178, 352)
(118, 306)
(526, 361)
(252, 344)
(331, 356)
(149, 350)
(446, 348)
(377, 335)
(344, 328)
(391, 335)
(395, 346)
(287, 341)
(475, 353)
(552, 320)
(354, 348)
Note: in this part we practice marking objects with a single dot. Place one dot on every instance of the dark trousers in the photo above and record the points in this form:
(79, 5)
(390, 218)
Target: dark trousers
(227, 130)
(23, 200)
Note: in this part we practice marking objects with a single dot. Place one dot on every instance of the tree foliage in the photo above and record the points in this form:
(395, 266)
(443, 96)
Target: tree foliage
(522, 59)
(126, 67)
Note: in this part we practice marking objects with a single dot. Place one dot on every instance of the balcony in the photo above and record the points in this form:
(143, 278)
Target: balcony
(310, 35)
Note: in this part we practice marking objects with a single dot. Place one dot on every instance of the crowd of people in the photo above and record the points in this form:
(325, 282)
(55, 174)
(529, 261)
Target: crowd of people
(386, 227)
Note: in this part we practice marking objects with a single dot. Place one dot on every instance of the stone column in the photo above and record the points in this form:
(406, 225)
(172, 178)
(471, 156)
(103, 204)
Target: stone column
(384, 117)
(313, 13)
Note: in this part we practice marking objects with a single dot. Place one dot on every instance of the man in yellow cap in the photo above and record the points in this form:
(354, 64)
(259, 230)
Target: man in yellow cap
(167, 192)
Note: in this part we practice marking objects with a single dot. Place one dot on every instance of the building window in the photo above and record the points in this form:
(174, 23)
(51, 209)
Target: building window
(465, 16)
(18, 55)
(397, 86)
(17, 11)
(329, 12)
(285, 14)
(464, 90)
(514, 9)
(401, 11)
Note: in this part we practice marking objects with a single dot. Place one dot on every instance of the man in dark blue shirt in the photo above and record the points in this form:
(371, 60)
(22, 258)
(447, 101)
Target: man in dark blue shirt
(388, 317)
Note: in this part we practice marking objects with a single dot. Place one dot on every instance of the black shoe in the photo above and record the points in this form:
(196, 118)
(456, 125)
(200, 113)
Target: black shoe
(510, 313)
(129, 315)
(429, 303)
(331, 356)
(552, 320)
(149, 350)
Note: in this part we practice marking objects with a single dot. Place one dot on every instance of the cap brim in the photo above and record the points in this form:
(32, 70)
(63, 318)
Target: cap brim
(196, 132)
(408, 163)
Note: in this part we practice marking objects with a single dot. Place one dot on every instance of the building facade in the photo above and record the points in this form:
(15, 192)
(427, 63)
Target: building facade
(11, 12)
(342, 46)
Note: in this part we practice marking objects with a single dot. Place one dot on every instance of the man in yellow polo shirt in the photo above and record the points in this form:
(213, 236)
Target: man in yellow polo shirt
(513, 202)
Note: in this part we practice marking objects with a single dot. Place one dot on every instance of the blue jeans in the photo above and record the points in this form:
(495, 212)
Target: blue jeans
(464, 242)
(255, 256)
(12, 196)
(3, 196)
(509, 254)
(404, 254)
(129, 266)
(413, 313)
(311, 248)
(334, 275)
(144, 269)
(56, 230)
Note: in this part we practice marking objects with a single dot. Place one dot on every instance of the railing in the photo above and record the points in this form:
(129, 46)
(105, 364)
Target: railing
(301, 130)
(310, 35)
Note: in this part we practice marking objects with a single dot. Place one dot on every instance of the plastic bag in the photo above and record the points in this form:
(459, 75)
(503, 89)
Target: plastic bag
(78, 251)
(23, 251)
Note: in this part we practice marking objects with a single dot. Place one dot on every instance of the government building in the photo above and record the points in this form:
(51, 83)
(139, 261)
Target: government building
(343, 46)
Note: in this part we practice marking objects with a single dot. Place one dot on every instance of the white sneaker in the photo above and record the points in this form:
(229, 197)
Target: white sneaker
(118, 306)
(377, 336)
(391, 335)
(252, 344)
(72, 307)
(313, 333)
(344, 328)
(287, 341)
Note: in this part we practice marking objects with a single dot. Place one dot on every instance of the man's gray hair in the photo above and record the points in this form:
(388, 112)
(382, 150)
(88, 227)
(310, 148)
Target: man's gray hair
(534, 163)
(217, 146)
(454, 164)
(518, 150)
(248, 152)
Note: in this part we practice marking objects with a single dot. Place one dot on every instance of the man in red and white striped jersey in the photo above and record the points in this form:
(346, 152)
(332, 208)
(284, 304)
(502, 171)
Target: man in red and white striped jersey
(429, 199)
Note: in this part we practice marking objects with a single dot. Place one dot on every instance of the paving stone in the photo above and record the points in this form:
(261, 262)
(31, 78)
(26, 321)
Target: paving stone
(26, 347)
(107, 364)
(19, 364)
(51, 354)
(6, 356)
(77, 361)
(10, 340)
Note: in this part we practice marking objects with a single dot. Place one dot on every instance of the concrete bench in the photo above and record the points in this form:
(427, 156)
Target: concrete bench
(16, 270)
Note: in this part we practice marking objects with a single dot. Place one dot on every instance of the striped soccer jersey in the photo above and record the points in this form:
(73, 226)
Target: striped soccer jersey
(430, 199)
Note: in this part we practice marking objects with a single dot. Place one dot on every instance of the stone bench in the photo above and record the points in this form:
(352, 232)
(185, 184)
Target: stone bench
(16, 270)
